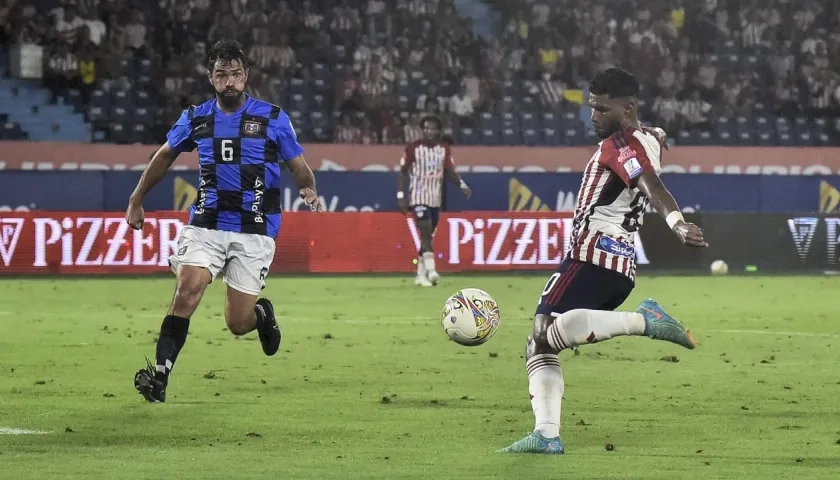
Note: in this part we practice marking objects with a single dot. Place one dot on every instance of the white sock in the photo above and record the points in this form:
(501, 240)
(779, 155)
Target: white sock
(579, 327)
(429, 261)
(546, 386)
(421, 269)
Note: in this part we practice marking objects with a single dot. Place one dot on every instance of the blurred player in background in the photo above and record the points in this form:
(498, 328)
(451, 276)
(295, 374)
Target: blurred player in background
(576, 305)
(425, 163)
(241, 143)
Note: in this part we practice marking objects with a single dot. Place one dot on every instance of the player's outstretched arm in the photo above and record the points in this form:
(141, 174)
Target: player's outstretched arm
(160, 163)
(666, 206)
(305, 181)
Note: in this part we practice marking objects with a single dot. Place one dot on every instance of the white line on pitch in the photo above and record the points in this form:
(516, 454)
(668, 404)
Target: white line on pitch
(20, 431)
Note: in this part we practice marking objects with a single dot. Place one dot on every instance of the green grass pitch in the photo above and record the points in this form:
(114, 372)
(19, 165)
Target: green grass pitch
(366, 386)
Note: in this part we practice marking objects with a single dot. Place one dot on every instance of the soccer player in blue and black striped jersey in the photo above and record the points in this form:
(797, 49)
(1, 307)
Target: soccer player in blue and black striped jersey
(241, 143)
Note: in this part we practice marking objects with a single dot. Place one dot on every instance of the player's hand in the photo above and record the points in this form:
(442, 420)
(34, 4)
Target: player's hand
(311, 199)
(467, 191)
(135, 216)
(690, 234)
(402, 204)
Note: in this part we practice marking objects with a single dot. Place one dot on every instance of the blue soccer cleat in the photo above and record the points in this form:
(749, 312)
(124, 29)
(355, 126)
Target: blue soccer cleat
(661, 326)
(536, 443)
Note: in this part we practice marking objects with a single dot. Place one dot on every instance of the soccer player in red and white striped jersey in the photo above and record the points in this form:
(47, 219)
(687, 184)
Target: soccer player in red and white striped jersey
(577, 304)
(425, 164)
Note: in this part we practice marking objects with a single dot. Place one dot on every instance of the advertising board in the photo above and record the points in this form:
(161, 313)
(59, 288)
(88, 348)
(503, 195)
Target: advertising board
(25, 155)
(375, 191)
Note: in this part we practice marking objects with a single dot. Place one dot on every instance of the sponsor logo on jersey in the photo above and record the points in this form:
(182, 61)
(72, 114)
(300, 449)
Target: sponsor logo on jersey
(615, 247)
(632, 167)
(253, 128)
(625, 153)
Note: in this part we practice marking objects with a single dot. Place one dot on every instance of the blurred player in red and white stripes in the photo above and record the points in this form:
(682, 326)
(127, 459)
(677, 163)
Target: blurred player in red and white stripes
(577, 304)
(425, 163)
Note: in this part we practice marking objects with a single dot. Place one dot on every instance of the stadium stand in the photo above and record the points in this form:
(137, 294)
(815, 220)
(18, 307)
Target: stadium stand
(728, 72)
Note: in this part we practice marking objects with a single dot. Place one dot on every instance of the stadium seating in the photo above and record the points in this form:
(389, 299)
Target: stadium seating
(513, 113)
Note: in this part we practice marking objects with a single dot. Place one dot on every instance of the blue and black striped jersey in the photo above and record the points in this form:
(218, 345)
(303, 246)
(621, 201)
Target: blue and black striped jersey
(239, 157)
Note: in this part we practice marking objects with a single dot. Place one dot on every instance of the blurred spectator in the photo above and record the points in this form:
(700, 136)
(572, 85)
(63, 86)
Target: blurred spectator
(392, 132)
(432, 96)
(667, 109)
(68, 24)
(345, 23)
(696, 61)
(412, 131)
(368, 134)
(461, 106)
(550, 91)
(135, 34)
(62, 70)
(696, 112)
(346, 132)
(96, 28)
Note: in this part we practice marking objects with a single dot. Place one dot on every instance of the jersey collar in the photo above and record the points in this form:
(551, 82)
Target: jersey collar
(241, 109)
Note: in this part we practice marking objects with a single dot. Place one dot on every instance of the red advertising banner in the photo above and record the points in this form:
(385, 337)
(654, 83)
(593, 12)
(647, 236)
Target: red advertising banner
(25, 155)
(102, 243)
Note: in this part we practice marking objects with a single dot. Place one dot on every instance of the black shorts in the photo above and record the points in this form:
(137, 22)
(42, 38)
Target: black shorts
(579, 284)
(426, 213)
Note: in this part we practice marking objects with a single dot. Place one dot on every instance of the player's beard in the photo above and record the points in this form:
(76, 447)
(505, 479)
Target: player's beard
(229, 97)
(605, 131)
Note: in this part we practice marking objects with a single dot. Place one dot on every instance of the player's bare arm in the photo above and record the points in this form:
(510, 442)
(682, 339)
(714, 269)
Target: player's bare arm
(402, 176)
(160, 163)
(455, 177)
(666, 206)
(305, 181)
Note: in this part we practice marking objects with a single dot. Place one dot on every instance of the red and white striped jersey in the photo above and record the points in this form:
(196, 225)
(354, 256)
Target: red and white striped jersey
(426, 163)
(610, 207)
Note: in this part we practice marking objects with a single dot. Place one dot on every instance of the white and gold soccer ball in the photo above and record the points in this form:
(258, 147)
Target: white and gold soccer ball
(470, 317)
(719, 267)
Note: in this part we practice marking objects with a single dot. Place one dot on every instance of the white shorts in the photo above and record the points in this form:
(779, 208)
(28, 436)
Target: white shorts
(243, 257)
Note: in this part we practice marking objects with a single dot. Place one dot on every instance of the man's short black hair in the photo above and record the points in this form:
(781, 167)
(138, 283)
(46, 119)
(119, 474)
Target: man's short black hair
(227, 51)
(431, 118)
(615, 82)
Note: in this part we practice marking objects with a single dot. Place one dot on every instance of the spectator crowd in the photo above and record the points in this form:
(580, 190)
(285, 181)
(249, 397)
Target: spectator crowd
(365, 71)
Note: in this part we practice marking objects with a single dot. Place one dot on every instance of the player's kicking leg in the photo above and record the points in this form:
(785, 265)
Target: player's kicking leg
(569, 316)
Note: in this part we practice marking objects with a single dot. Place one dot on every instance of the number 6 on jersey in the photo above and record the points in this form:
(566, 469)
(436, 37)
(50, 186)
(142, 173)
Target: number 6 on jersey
(227, 150)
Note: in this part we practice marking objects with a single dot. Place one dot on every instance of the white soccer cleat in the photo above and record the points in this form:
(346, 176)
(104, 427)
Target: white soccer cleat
(433, 277)
(422, 281)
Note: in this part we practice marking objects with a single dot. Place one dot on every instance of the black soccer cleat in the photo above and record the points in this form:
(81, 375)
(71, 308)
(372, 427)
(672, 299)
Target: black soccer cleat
(152, 389)
(268, 329)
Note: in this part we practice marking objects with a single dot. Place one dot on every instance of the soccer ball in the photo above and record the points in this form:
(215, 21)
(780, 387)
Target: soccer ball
(470, 317)
(719, 267)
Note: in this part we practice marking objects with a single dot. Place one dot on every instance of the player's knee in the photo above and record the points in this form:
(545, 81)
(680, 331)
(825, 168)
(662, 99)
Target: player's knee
(530, 347)
(239, 326)
(538, 342)
(187, 296)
